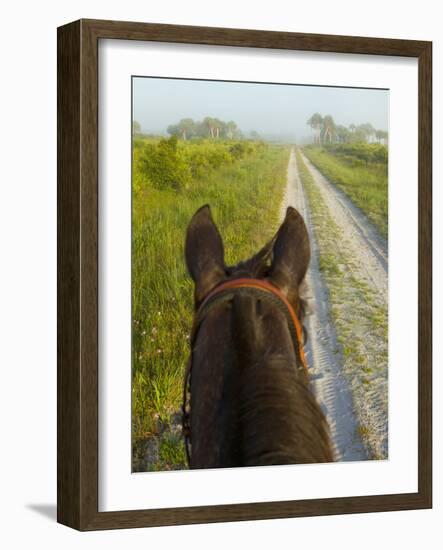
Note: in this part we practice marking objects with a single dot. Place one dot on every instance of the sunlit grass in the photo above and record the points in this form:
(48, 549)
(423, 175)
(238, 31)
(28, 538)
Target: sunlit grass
(245, 198)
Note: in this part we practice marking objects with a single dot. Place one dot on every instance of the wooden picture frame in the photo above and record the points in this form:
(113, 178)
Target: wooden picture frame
(77, 456)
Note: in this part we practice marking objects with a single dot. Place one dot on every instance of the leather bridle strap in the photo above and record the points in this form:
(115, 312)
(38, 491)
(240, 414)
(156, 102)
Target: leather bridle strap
(268, 287)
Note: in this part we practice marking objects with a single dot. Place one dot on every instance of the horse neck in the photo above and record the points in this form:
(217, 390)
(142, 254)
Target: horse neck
(250, 404)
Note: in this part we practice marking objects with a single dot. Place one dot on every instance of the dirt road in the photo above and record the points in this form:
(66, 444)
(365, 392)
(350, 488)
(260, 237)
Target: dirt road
(344, 402)
(366, 245)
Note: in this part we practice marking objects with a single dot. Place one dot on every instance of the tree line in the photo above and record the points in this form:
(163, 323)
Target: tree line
(209, 127)
(327, 131)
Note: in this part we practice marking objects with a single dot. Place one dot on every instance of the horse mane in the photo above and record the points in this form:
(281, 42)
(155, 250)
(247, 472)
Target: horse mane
(281, 423)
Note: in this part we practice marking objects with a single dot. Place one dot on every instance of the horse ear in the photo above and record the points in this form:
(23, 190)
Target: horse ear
(204, 253)
(291, 253)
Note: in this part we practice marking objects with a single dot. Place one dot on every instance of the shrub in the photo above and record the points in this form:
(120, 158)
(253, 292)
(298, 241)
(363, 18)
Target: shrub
(163, 165)
(171, 164)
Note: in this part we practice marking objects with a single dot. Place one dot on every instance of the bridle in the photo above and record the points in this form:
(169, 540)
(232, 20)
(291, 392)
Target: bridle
(223, 293)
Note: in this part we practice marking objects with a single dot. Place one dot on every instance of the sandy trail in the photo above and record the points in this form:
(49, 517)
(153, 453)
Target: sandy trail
(366, 246)
(363, 256)
(328, 382)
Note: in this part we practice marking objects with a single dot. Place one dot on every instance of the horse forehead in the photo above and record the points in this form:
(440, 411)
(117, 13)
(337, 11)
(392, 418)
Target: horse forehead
(219, 324)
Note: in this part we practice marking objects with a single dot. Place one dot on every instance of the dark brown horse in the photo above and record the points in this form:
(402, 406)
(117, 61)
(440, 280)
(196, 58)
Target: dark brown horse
(250, 400)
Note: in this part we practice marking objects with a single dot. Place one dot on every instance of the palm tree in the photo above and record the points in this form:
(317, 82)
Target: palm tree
(219, 127)
(315, 122)
(208, 124)
(186, 127)
(329, 129)
(231, 129)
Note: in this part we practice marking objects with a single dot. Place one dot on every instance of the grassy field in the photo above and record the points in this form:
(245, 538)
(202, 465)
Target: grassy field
(243, 182)
(361, 171)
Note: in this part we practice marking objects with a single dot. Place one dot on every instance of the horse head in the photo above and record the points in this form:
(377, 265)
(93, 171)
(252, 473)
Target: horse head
(251, 403)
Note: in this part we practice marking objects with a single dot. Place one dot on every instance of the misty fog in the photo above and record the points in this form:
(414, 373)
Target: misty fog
(275, 111)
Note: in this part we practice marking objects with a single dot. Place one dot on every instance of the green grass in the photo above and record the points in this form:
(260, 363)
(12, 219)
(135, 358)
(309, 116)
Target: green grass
(365, 182)
(245, 197)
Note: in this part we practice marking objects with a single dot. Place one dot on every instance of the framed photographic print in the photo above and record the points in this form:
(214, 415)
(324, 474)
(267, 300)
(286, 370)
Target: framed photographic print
(244, 274)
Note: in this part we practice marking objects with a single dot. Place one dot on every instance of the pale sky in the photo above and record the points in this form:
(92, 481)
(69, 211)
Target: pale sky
(273, 110)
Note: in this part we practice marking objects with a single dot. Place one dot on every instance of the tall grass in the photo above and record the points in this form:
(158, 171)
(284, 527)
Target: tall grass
(363, 178)
(245, 197)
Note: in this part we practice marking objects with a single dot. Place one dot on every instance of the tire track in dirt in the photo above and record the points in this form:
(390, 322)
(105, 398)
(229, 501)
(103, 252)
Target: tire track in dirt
(368, 248)
(324, 361)
(358, 299)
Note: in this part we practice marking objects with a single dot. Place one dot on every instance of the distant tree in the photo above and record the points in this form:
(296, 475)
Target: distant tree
(315, 122)
(199, 130)
(382, 136)
(231, 129)
(254, 135)
(371, 132)
(219, 127)
(173, 130)
(136, 128)
(329, 129)
(343, 134)
(367, 130)
(358, 135)
(186, 127)
(211, 127)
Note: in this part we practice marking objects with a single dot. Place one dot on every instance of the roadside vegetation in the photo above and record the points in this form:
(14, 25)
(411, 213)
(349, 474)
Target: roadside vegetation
(360, 319)
(243, 181)
(361, 171)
